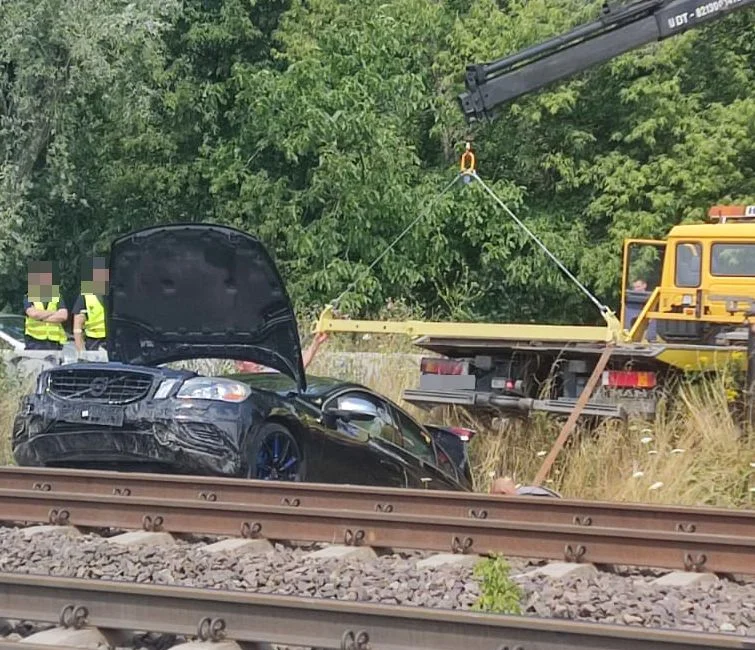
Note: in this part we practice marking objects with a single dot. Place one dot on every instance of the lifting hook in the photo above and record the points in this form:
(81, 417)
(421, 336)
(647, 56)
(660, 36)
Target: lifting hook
(468, 161)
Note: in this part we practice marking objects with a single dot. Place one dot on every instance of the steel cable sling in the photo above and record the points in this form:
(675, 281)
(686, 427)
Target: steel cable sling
(468, 174)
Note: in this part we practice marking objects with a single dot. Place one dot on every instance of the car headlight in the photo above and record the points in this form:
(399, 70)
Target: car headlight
(163, 390)
(224, 390)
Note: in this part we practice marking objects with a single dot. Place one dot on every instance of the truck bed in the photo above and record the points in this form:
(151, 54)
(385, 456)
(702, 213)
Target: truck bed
(654, 354)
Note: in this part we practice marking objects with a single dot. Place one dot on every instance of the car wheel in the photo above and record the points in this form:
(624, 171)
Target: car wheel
(275, 455)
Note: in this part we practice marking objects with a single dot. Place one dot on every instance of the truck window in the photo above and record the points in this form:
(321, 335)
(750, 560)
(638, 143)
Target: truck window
(688, 256)
(733, 260)
(644, 266)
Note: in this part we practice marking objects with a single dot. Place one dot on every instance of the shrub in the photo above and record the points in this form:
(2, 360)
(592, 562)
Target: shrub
(499, 593)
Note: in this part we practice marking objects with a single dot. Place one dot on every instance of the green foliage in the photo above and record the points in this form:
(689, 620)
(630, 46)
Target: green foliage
(325, 127)
(499, 593)
(65, 69)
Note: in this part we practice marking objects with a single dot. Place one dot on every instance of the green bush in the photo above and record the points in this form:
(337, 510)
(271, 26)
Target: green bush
(500, 594)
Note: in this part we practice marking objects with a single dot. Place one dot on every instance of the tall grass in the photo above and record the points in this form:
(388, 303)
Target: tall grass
(12, 387)
(693, 453)
(7, 412)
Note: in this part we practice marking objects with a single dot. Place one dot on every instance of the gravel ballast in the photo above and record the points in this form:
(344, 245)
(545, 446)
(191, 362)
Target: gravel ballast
(721, 606)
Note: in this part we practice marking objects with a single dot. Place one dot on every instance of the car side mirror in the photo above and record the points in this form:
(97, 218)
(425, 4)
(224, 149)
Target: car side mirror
(330, 416)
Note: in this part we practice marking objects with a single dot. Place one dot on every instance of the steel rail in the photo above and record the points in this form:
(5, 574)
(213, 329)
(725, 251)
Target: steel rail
(287, 620)
(6, 644)
(687, 551)
(705, 520)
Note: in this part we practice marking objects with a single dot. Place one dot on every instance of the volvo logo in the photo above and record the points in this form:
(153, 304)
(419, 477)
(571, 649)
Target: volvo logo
(98, 386)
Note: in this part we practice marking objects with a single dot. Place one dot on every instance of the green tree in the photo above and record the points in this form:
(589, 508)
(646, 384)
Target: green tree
(328, 127)
(64, 67)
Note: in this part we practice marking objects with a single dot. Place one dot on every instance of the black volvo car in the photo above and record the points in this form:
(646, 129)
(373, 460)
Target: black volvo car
(207, 291)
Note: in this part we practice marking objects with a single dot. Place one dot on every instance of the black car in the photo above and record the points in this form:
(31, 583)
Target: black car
(207, 291)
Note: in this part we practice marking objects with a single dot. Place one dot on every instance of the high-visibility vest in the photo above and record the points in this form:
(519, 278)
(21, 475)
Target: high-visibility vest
(43, 331)
(94, 327)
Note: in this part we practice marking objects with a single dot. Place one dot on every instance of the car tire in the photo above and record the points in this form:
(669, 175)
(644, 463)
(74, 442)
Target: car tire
(275, 453)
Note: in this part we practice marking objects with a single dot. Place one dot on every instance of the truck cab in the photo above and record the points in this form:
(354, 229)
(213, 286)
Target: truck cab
(696, 286)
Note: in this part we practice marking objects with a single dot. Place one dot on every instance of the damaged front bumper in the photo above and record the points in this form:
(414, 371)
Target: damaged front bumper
(172, 435)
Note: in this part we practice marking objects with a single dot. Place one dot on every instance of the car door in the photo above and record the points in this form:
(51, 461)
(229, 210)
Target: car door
(353, 452)
(429, 466)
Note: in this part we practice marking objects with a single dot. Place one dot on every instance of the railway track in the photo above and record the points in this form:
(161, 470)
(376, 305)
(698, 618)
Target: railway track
(386, 526)
(247, 617)
(708, 521)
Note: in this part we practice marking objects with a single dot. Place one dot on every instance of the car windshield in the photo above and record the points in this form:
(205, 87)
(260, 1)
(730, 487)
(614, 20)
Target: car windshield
(13, 325)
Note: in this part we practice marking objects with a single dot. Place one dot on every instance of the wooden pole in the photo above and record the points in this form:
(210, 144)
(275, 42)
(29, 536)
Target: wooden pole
(750, 389)
(571, 422)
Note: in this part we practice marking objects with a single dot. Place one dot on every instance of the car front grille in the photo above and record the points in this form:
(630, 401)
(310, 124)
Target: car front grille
(113, 387)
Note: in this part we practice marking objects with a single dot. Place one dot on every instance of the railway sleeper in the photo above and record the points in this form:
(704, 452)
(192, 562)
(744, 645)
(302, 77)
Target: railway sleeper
(554, 570)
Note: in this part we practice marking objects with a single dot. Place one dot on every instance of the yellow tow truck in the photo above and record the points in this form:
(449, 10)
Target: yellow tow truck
(685, 307)
(685, 301)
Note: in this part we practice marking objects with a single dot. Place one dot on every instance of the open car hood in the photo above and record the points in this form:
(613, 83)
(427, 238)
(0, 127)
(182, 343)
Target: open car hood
(199, 291)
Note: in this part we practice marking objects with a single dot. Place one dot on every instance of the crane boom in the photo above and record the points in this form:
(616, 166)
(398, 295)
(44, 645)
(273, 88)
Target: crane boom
(616, 32)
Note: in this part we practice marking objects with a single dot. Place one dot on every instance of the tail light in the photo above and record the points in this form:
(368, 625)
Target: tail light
(434, 366)
(507, 383)
(628, 379)
(465, 435)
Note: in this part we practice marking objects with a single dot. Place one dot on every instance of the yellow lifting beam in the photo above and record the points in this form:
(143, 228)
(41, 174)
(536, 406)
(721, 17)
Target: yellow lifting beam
(611, 333)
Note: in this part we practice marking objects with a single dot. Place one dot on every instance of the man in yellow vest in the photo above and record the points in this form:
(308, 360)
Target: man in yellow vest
(44, 309)
(89, 308)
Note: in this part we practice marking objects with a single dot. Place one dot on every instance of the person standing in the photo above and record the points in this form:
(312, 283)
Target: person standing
(89, 331)
(44, 310)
